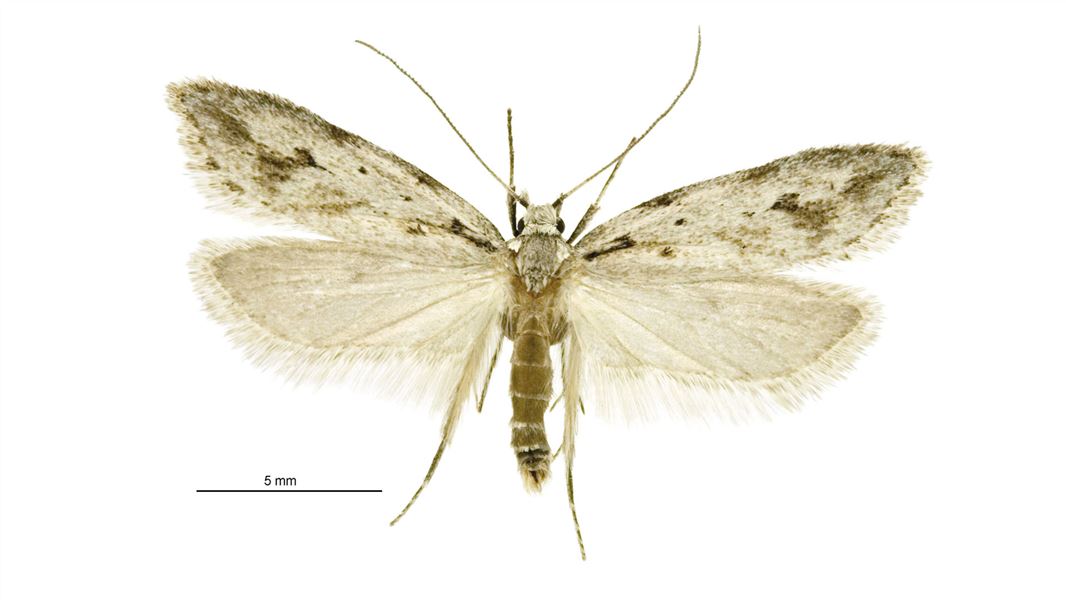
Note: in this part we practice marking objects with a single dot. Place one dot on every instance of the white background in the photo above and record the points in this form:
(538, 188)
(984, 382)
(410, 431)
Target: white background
(934, 470)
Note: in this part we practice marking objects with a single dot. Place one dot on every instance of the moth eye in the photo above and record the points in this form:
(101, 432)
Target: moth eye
(521, 225)
(560, 225)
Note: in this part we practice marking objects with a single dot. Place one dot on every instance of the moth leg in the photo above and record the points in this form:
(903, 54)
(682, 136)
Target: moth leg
(573, 510)
(580, 404)
(450, 421)
(562, 351)
(571, 387)
(557, 399)
(463, 390)
(488, 376)
(569, 431)
(445, 438)
(595, 206)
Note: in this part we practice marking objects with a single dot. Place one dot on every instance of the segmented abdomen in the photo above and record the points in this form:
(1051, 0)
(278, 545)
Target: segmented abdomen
(531, 390)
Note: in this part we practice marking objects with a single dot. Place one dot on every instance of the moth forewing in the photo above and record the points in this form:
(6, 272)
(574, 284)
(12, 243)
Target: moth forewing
(262, 156)
(813, 207)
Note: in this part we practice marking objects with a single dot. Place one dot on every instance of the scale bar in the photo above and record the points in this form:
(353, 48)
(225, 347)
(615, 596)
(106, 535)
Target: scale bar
(318, 491)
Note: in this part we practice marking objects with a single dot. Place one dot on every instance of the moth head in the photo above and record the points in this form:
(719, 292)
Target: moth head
(542, 219)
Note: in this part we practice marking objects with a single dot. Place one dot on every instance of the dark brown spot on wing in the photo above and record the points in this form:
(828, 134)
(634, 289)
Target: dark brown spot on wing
(426, 180)
(814, 216)
(861, 184)
(324, 190)
(362, 170)
(679, 222)
(460, 229)
(786, 202)
(335, 208)
(661, 201)
(618, 243)
(206, 116)
(419, 176)
(274, 167)
(667, 251)
(304, 158)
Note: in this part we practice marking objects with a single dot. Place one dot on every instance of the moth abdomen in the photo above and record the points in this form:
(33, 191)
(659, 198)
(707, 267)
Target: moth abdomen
(531, 389)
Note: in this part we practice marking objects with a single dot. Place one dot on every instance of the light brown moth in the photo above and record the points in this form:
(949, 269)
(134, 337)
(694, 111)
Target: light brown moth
(675, 305)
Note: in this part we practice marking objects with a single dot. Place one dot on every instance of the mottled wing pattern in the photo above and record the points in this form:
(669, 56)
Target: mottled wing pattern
(262, 155)
(814, 206)
(316, 309)
(673, 344)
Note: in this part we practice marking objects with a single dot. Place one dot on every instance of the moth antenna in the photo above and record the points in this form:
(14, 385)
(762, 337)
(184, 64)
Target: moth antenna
(513, 196)
(510, 177)
(510, 152)
(510, 190)
(595, 206)
(696, 63)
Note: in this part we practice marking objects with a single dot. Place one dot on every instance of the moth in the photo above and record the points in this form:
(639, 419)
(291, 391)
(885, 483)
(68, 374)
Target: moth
(677, 305)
